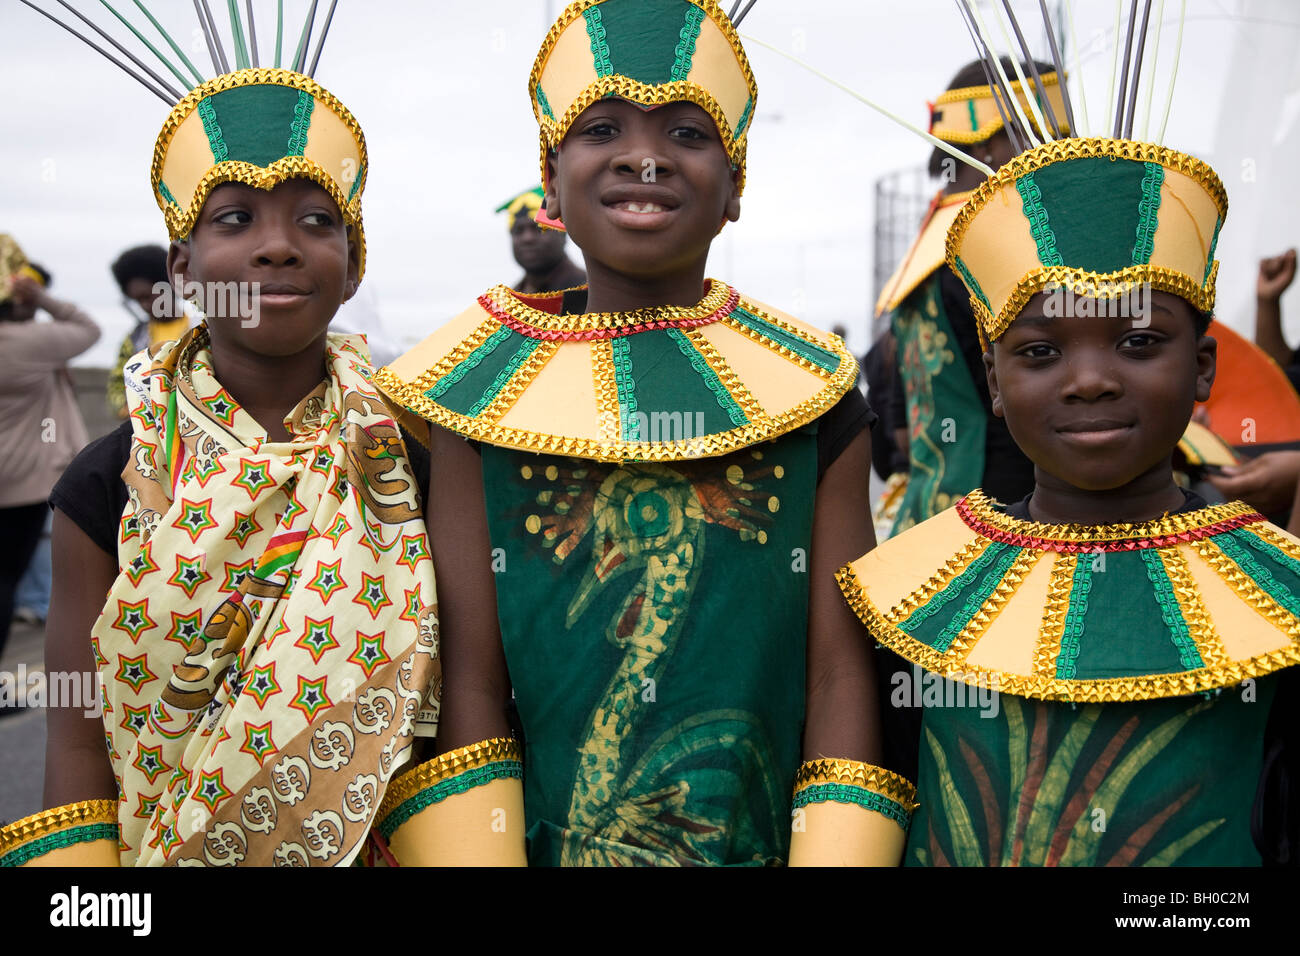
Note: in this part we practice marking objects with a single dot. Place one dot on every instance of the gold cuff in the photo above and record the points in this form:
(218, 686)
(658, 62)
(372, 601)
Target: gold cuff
(78, 834)
(848, 813)
(463, 808)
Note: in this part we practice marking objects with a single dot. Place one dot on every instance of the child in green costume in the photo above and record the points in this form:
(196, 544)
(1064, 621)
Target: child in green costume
(661, 471)
(1098, 662)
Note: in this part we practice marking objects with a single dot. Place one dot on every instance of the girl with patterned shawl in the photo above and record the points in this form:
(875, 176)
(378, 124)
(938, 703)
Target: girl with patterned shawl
(268, 649)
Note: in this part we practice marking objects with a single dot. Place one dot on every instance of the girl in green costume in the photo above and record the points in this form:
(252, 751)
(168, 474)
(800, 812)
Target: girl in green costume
(1099, 662)
(662, 471)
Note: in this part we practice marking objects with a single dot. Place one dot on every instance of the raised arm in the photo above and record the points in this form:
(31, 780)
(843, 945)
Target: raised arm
(1275, 275)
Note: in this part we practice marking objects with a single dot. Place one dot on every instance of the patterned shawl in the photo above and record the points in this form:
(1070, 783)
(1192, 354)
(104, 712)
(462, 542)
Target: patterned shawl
(270, 644)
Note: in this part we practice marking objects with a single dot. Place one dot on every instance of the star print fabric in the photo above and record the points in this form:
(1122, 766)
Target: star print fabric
(270, 646)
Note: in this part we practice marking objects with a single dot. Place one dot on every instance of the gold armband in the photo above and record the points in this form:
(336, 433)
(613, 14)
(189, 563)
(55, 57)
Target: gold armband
(463, 808)
(79, 834)
(848, 813)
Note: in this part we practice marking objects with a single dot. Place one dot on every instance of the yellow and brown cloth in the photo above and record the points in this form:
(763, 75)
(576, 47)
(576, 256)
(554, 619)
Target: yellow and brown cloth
(271, 642)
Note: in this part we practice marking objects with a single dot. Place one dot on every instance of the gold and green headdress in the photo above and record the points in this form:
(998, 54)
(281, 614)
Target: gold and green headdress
(13, 263)
(1098, 216)
(648, 52)
(255, 125)
(971, 114)
(527, 202)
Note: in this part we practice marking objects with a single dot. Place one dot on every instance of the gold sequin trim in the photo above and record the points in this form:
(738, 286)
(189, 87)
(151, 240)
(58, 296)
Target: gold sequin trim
(954, 566)
(983, 509)
(1054, 613)
(1280, 541)
(1042, 687)
(733, 323)
(1015, 575)
(1199, 626)
(505, 299)
(180, 226)
(855, 773)
(24, 831)
(986, 92)
(762, 427)
(1249, 591)
(522, 378)
(454, 762)
(603, 377)
(726, 374)
(1101, 285)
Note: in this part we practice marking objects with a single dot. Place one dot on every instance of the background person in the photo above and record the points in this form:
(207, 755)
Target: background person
(539, 250)
(41, 429)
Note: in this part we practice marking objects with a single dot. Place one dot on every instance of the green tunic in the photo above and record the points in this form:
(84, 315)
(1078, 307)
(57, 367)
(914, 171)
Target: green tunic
(654, 620)
(945, 418)
(1045, 783)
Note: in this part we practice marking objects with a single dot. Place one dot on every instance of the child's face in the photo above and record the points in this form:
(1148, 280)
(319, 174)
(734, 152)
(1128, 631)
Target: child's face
(292, 242)
(1098, 401)
(643, 192)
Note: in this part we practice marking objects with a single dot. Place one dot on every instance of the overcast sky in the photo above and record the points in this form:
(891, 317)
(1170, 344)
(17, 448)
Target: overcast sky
(440, 89)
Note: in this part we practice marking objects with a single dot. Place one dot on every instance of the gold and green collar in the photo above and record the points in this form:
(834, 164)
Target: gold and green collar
(1190, 602)
(663, 384)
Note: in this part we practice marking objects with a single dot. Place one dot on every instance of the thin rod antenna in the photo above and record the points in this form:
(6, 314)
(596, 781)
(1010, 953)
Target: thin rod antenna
(1060, 65)
(300, 57)
(1151, 73)
(1178, 52)
(252, 33)
(1030, 99)
(1137, 71)
(207, 35)
(1013, 102)
(1114, 65)
(320, 44)
(104, 53)
(170, 42)
(1033, 70)
(1013, 134)
(279, 30)
(1123, 76)
(743, 13)
(239, 48)
(216, 37)
(1078, 72)
(934, 140)
(185, 82)
(734, 7)
(140, 64)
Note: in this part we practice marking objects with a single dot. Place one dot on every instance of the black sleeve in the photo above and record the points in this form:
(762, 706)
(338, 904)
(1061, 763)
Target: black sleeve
(418, 456)
(91, 491)
(838, 427)
(885, 393)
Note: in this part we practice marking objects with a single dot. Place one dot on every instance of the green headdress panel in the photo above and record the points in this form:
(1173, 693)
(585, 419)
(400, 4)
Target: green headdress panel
(649, 52)
(1097, 216)
(260, 128)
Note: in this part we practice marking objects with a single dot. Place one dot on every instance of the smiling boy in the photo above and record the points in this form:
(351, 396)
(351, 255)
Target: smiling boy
(662, 471)
(1133, 632)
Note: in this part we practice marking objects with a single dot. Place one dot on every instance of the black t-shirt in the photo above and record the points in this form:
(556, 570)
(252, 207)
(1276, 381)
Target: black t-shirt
(92, 493)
